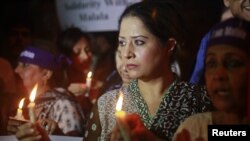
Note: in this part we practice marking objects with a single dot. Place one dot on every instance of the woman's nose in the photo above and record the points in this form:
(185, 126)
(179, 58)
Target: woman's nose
(221, 73)
(128, 52)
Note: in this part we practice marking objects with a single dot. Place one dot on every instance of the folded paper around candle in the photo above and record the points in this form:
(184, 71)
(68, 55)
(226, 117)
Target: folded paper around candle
(18, 122)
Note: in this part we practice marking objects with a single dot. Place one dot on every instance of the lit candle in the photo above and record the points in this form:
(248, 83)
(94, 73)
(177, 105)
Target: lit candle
(120, 115)
(88, 79)
(19, 114)
(32, 104)
(88, 82)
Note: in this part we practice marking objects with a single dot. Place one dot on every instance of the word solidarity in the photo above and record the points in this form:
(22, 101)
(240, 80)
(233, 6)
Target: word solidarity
(239, 132)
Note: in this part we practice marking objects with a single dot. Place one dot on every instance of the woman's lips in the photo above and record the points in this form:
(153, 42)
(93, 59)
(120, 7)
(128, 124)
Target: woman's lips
(131, 66)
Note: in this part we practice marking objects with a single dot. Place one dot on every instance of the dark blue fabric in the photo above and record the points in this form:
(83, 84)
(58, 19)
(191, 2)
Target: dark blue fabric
(200, 61)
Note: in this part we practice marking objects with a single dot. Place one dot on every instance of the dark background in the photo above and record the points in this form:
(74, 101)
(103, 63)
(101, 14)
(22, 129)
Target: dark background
(42, 18)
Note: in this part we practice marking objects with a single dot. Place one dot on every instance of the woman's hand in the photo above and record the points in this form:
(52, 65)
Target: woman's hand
(131, 128)
(31, 132)
(50, 126)
(13, 124)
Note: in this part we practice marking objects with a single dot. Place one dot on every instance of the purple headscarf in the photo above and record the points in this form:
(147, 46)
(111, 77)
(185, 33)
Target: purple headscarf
(39, 57)
(234, 32)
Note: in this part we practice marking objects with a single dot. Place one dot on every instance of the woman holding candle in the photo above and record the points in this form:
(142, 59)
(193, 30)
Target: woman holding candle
(41, 64)
(149, 32)
(76, 45)
(226, 71)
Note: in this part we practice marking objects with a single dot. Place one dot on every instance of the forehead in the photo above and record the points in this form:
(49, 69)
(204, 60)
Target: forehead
(225, 49)
(132, 25)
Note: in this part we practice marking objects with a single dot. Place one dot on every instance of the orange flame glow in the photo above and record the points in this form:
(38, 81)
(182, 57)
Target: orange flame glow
(33, 93)
(20, 106)
(119, 102)
(89, 74)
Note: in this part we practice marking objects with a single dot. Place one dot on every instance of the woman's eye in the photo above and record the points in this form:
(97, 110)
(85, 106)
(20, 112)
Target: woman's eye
(210, 64)
(121, 43)
(138, 42)
(25, 65)
(233, 63)
(87, 49)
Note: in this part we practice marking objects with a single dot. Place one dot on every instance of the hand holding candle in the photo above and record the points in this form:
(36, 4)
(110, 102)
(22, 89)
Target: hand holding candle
(32, 104)
(19, 114)
(14, 122)
(120, 116)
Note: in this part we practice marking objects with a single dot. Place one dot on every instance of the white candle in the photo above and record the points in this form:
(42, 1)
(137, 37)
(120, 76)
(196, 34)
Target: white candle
(119, 113)
(88, 83)
(89, 79)
(32, 104)
(19, 114)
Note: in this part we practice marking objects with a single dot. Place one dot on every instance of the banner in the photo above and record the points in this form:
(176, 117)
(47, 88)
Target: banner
(91, 15)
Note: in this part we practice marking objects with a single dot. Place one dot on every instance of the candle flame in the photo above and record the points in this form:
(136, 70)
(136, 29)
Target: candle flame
(89, 74)
(33, 93)
(20, 106)
(119, 102)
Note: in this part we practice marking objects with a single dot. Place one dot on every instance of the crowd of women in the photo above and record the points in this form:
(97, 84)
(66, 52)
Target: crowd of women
(158, 105)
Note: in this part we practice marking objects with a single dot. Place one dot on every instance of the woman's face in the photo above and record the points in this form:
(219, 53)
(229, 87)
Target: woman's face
(226, 77)
(122, 70)
(31, 74)
(82, 55)
(142, 52)
(239, 8)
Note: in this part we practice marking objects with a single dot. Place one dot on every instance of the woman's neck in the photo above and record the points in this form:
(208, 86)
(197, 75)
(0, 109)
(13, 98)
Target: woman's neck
(155, 87)
(152, 91)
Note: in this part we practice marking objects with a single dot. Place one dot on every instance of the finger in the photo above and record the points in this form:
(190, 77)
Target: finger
(114, 134)
(48, 127)
(52, 128)
(27, 129)
(29, 132)
(12, 126)
(11, 129)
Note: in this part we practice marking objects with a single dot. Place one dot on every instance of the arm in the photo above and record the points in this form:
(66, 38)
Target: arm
(31, 132)
(133, 129)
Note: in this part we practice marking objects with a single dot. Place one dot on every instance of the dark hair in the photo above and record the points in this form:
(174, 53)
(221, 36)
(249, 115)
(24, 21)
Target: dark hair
(68, 38)
(161, 18)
